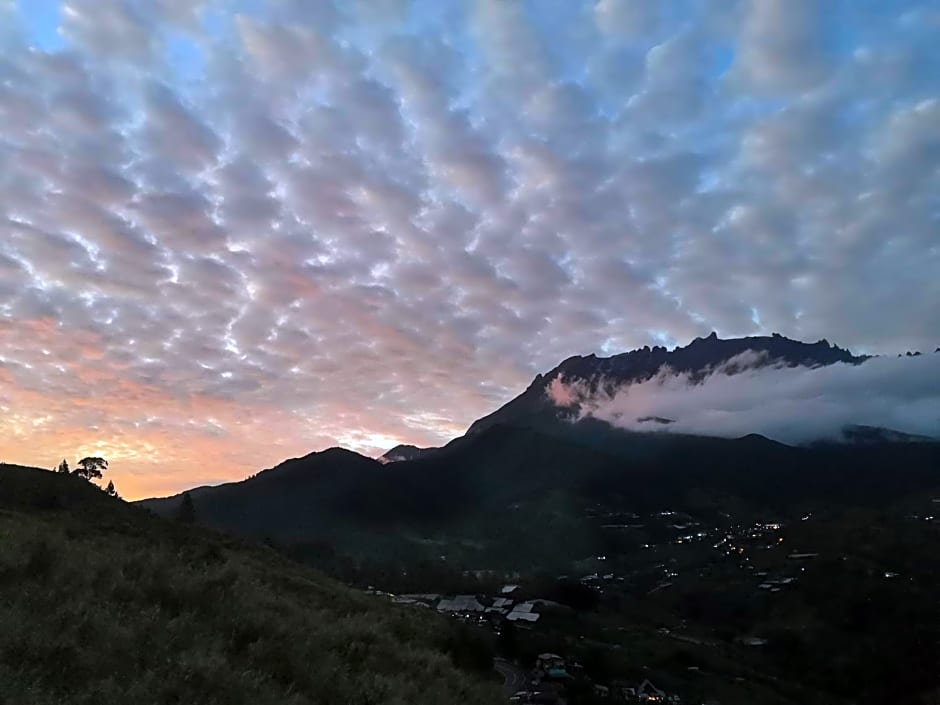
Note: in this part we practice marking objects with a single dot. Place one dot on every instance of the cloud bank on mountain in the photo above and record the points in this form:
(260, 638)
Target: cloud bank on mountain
(752, 394)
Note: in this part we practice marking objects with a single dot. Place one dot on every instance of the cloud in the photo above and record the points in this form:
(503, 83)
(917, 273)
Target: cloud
(380, 220)
(751, 394)
(783, 45)
(626, 17)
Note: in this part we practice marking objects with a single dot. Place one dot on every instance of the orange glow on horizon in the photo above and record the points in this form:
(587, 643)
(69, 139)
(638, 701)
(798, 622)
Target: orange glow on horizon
(156, 443)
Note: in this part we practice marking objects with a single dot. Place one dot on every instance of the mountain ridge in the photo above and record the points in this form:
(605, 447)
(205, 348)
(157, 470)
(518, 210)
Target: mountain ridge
(697, 359)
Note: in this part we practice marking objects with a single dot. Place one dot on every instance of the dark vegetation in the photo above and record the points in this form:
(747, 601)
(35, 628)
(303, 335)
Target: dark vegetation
(101, 602)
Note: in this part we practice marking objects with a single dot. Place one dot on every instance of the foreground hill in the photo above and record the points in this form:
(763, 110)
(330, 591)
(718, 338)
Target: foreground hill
(101, 602)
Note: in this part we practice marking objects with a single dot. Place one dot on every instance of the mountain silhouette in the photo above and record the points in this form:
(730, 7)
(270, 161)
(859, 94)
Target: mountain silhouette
(516, 480)
(697, 360)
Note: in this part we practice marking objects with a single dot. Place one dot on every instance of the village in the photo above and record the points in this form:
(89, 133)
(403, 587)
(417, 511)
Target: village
(677, 608)
(551, 678)
(547, 681)
(673, 546)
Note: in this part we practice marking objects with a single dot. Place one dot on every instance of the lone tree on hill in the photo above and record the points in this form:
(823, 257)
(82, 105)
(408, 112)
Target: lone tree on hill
(63, 466)
(90, 468)
(187, 511)
(111, 491)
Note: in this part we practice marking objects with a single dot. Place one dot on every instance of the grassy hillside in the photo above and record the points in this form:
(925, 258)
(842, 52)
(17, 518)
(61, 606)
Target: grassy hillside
(101, 602)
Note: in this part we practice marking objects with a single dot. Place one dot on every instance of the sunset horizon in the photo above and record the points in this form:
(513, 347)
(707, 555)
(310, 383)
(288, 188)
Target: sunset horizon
(469, 352)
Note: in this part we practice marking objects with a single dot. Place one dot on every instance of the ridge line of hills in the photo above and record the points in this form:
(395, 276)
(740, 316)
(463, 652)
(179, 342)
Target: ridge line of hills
(532, 419)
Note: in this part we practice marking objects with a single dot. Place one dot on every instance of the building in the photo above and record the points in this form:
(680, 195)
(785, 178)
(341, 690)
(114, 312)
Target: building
(523, 611)
(460, 603)
(646, 692)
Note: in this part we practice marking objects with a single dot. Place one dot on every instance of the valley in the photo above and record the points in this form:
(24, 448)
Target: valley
(715, 609)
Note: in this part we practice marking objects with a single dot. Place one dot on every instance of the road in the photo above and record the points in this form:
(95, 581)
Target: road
(514, 678)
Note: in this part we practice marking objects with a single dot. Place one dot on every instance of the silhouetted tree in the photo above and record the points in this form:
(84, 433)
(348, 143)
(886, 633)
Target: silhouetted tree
(63, 466)
(90, 468)
(111, 491)
(187, 510)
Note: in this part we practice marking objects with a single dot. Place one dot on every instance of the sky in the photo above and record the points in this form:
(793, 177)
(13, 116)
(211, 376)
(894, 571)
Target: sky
(235, 232)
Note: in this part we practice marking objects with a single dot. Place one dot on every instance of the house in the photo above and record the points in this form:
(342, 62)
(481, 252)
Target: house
(523, 611)
(403, 600)
(646, 692)
(460, 603)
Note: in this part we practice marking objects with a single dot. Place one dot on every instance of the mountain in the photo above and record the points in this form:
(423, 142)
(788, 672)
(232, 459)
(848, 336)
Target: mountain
(515, 495)
(874, 434)
(101, 601)
(511, 489)
(697, 359)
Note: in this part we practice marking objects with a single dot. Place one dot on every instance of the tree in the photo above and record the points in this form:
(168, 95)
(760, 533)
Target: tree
(111, 491)
(90, 468)
(187, 510)
(63, 466)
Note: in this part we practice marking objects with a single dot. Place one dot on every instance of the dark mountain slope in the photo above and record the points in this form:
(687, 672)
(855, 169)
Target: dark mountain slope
(297, 497)
(102, 602)
(323, 491)
(480, 481)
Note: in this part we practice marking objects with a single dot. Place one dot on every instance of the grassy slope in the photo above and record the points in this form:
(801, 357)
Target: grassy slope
(101, 602)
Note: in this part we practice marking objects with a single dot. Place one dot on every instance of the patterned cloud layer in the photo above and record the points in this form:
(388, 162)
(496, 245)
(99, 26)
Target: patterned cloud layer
(236, 231)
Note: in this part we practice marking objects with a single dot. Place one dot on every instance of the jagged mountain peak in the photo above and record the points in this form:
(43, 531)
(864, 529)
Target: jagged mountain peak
(697, 359)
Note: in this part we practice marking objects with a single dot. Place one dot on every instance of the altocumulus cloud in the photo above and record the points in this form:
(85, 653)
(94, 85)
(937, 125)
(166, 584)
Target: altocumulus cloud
(750, 394)
(234, 231)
